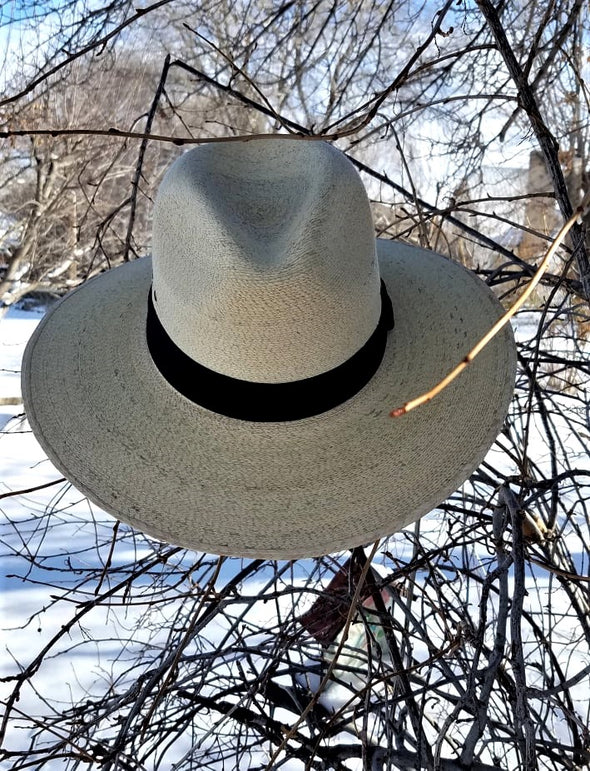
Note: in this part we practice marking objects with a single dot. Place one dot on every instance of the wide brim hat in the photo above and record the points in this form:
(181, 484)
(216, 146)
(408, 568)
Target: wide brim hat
(266, 275)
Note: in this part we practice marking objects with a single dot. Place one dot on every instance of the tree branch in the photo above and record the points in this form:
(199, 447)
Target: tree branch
(547, 142)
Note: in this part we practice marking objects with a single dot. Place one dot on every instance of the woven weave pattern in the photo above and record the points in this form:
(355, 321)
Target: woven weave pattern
(264, 259)
(265, 269)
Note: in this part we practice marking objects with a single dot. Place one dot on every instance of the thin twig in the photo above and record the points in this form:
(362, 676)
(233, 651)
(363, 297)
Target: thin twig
(344, 636)
(524, 723)
(142, 151)
(109, 558)
(547, 142)
(240, 71)
(142, 135)
(100, 43)
(456, 371)
(32, 489)
(356, 124)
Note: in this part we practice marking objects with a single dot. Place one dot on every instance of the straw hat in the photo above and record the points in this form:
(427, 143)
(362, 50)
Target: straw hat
(231, 394)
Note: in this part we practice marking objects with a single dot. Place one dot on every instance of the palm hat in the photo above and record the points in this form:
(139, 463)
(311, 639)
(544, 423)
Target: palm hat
(231, 393)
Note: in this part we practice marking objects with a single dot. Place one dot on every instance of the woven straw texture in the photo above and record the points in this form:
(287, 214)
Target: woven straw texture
(264, 258)
(110, 422)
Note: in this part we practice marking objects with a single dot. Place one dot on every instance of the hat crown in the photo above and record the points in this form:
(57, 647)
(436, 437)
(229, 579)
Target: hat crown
(264, 264)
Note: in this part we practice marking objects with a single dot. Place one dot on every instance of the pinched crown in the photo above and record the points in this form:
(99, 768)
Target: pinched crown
(264, 258)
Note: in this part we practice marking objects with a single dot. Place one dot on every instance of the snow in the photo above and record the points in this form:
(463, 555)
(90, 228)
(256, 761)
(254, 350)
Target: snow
(36, 598)
(15, 330)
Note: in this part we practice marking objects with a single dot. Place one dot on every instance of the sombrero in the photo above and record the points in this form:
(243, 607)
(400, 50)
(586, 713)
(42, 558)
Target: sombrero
(231, 394)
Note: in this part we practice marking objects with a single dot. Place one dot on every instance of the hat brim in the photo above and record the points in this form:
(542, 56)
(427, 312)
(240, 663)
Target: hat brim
(123, 436)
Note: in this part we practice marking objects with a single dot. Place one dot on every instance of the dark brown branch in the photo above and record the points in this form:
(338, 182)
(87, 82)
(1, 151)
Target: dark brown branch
(101, 42)
(524, 721)
(140, 159)
(32, 489)
(547, 142)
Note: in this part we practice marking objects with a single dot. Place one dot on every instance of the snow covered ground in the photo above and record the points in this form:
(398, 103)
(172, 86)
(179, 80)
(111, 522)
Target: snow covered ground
(49, 574)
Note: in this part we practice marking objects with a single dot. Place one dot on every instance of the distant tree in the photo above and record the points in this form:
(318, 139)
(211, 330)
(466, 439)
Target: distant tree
(66, 198)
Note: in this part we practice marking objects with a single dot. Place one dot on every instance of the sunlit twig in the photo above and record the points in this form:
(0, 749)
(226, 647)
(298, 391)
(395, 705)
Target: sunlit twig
(491, 333)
